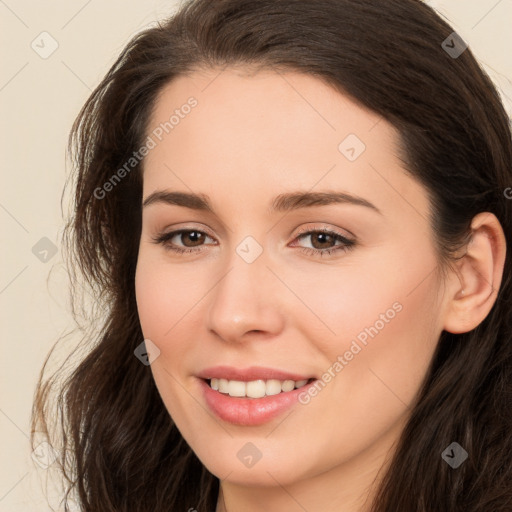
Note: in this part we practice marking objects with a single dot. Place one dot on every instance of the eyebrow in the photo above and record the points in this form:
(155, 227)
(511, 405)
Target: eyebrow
(281, 203)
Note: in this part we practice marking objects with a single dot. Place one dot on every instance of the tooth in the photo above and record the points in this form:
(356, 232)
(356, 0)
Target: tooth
(223, 385)
(236, 388)
(256, 389)
(288, 385)
(273, 387)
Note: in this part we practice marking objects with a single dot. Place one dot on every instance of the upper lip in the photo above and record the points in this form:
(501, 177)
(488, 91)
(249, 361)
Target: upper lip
(249, 374)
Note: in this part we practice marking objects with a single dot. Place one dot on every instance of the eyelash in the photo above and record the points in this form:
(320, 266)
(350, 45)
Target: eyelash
(347, 244)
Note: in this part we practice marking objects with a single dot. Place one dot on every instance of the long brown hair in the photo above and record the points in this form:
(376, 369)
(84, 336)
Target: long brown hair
(119, 449)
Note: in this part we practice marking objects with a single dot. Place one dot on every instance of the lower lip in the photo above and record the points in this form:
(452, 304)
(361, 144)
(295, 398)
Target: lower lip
(249, 411)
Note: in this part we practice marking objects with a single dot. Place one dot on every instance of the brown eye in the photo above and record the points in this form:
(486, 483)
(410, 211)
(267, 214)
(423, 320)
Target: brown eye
(196, 238)
(324, 242)
(183, 240)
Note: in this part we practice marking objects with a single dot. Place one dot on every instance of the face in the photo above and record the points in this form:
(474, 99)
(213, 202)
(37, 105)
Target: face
(314, 261)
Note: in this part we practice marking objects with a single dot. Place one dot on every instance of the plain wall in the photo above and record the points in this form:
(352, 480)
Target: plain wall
(39, 99)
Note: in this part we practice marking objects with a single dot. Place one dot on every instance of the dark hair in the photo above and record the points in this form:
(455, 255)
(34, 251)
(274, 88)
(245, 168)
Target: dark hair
(455, 140)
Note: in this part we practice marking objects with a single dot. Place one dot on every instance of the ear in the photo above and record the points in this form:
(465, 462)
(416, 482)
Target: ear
(474, 286)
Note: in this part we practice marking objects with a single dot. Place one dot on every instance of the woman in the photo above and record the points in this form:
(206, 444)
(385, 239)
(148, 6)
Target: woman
(294, 215)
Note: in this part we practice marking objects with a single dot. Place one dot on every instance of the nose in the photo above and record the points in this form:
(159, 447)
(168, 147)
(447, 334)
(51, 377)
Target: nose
(246, 302)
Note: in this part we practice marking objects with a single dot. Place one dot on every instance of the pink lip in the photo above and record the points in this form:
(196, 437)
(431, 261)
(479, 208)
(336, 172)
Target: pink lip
(249, 374)
(248, 411)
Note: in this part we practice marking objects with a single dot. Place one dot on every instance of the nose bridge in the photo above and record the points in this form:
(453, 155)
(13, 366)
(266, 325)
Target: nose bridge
(244, 298)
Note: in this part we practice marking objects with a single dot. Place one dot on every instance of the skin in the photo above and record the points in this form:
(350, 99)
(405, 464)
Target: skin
(251, 137)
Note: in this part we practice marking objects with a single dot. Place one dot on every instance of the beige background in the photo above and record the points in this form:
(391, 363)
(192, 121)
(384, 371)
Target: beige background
(39, 98)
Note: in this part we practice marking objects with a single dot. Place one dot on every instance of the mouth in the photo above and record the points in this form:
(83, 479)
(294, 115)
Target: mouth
(258, 388)
(252, 402)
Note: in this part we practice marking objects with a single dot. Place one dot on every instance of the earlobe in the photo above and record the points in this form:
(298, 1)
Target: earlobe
(474, 286)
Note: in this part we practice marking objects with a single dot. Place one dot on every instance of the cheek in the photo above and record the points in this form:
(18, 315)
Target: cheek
(381, 294)
(153, 301)
(381, 317)
(386, 319)
(165, 303)
(164, 295)
(386, 325)
(169, 300)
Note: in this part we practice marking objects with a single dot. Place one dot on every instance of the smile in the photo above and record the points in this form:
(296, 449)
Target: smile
(255, 388)
(251, 403)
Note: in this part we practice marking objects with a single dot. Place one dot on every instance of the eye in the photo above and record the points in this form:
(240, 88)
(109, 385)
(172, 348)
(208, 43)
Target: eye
(193, 239)
(186, 236)
(322, 241)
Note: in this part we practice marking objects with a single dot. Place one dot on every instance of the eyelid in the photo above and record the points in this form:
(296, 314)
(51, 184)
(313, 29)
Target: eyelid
(346, 241)
(165, 236)
(310, 227)
(179, 228)
(303, 230)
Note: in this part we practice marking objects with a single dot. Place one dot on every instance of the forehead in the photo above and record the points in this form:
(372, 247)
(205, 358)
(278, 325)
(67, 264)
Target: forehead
(271, 108)
(270, 131)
